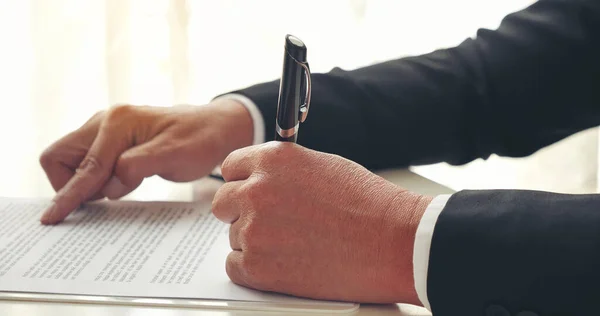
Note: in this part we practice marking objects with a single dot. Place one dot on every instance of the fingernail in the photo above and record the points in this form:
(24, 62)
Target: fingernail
(114, 188)
(49, 214)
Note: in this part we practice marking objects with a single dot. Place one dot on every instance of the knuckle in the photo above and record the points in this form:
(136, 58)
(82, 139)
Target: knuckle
(249, 236)
(256, 190)
(230, 161)
(120, 112)
(250, 193)
(243, 269)
(223, 200)
(234, 238)
(251, 271)
(231, 267)
(246, 191)
(97, 115)
(280, 148)
(274, 153)
(46, 158)
(218, 201)
(269, 155)
(274, 146)
(90, 165)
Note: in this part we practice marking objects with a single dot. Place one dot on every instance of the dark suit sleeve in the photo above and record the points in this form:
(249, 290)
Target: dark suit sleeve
(504, 252)
(510, 91)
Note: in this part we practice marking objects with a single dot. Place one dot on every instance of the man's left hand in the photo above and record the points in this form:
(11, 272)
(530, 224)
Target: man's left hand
(317, 225)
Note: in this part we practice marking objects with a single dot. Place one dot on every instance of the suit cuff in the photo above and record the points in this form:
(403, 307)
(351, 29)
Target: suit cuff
(257, 119)
(422, 246)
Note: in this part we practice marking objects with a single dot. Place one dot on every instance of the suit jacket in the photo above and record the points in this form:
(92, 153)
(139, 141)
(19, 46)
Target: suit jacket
(510, 91)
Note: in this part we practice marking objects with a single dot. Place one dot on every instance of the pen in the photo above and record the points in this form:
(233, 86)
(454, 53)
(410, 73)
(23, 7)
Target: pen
(293, 104)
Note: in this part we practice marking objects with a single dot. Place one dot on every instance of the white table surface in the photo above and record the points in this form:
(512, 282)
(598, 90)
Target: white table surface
(203, 190)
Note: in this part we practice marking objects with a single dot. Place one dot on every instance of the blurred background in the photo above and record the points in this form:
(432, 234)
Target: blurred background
(63, 60)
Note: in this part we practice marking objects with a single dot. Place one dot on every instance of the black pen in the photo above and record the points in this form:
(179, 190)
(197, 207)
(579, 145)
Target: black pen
(294, 91)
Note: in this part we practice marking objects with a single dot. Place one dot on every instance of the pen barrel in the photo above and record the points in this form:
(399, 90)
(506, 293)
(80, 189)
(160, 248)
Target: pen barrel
(291, 90)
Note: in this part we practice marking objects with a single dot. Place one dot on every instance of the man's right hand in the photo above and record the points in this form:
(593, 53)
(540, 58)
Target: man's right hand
(111, 154)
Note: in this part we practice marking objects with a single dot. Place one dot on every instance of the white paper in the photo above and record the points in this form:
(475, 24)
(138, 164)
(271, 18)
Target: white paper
(123, 248)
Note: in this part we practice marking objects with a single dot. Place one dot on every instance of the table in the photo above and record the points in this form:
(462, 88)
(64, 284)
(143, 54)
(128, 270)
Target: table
(203, 189)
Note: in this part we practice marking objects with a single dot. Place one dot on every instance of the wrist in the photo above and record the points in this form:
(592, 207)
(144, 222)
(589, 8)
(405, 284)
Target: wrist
(234, 124)
(406, 211)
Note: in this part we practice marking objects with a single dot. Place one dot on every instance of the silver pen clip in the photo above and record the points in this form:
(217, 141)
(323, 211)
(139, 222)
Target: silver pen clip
(304, 107)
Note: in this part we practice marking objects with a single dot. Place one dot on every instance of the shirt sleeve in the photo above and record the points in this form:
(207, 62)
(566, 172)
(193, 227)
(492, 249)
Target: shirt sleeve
(422, 246)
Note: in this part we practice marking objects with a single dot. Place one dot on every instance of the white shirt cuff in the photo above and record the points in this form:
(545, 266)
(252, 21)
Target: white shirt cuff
(422, 246)
(257, 119)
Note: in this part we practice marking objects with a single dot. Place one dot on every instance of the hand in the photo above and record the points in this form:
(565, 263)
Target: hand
(115, 150)
(317, 225)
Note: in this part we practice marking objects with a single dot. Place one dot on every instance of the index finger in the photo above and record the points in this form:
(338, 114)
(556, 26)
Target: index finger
(60, 159)
(240, 163)
(89, 178)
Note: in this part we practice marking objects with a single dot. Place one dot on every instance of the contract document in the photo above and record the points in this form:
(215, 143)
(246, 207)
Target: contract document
(123, 249)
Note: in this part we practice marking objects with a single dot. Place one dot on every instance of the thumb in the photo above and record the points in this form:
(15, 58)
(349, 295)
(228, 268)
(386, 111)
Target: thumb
(115, 189)
(135, 164)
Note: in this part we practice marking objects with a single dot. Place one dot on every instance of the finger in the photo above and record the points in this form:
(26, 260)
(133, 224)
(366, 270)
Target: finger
(234, 268)
(89, 178)
(145, 160)
(57, 173)
(115, 189)
(60, 159)
(240, 164)
(226, 205)
(235, 234)
(134, 165)
(95, 197)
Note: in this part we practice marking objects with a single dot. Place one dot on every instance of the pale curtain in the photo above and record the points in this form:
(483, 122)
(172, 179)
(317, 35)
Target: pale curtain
(63, 60)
